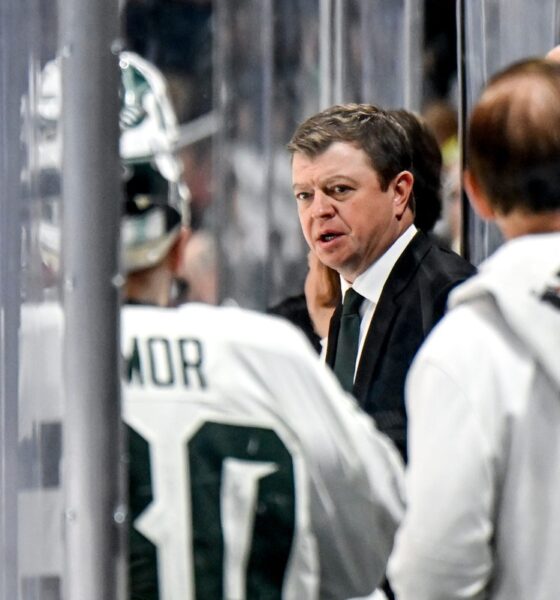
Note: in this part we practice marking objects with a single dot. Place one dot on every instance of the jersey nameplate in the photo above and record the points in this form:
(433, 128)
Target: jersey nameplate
(164, 362)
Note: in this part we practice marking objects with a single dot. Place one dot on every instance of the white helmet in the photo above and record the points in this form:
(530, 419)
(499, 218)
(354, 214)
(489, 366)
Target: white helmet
(156, 197)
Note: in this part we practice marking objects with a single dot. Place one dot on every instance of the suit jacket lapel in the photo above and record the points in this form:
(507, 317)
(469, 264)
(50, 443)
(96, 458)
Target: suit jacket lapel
(386, 312)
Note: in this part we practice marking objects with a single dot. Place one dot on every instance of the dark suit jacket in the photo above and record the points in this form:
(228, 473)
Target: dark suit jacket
(411, 303)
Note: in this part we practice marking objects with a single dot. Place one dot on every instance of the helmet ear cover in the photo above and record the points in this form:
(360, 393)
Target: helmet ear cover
(143, 185)
(148, 236)
(151, 223)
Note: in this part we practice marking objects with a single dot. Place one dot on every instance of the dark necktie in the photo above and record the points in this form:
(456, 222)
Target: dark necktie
(348, 336)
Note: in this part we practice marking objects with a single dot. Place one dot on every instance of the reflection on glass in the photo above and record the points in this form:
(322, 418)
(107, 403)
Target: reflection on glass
(499, 32)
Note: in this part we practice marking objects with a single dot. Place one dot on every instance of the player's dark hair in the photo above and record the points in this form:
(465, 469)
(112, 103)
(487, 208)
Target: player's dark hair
(426, 168)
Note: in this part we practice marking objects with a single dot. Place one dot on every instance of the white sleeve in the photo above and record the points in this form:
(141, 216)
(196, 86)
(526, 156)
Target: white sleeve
(442, 549)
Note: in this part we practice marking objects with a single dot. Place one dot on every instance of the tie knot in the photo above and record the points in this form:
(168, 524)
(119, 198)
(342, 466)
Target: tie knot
(352, 302)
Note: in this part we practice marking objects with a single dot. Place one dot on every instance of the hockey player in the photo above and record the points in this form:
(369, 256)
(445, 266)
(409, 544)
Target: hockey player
(483, 395)
(252, 474)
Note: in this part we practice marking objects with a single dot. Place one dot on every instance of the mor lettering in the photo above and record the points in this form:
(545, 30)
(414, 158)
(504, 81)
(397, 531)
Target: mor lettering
(165, 362)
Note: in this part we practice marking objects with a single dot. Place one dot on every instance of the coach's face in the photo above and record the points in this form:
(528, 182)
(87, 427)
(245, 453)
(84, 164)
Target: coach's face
(347, 219)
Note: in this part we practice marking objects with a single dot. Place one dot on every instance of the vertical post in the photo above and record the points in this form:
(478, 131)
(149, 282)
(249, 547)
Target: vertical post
(91, 205)
(556, 22)
(325, 53)
(220, 205)
(267, 99)
(339, 51)
(413, 45)
(13, 57)
(463, 115)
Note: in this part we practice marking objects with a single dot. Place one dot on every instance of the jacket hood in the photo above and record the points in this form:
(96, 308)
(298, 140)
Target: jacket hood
(523, 279)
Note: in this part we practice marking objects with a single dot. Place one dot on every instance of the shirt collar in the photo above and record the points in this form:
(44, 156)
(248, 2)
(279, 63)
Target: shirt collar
(370, 283)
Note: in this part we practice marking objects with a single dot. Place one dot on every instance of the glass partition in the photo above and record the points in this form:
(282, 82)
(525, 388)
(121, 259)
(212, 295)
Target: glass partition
(374, 51)
(276, 63)
(266, 80)
(30, 336)
(243, 75)
(496, 33)
(38, 292)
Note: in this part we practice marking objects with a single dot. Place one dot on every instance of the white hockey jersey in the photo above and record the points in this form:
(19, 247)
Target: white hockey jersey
(483, 399)
(252, 474)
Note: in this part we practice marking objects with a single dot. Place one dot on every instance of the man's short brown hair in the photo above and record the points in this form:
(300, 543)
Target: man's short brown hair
(513, 147)
(368, 127)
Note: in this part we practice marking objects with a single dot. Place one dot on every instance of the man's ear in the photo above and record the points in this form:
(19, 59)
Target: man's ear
(477, 197)
(177, 253)
(402, 183)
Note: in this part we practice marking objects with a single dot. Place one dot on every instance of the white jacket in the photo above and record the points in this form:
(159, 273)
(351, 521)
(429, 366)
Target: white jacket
(483, 399)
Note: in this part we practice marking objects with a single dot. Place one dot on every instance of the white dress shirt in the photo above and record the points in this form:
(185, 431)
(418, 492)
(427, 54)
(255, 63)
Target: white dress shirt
(370, 283)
